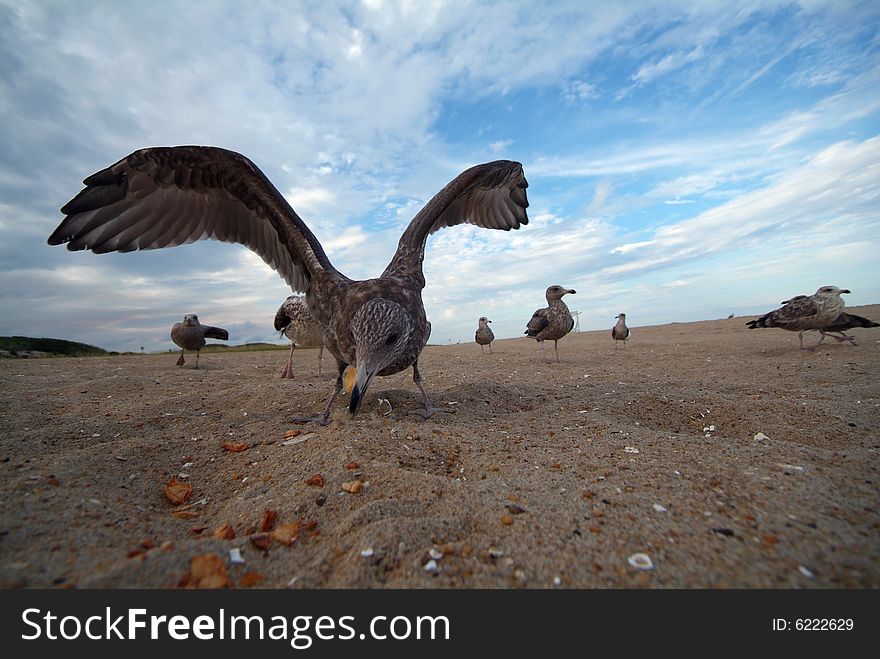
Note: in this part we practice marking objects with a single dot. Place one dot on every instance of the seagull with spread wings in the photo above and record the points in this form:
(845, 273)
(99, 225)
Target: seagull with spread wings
(166, 196)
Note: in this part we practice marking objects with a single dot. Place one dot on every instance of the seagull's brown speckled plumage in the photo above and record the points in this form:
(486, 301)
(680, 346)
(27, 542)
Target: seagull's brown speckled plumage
(166, 196)
(805, 312)
(296, 322)
(191, 334)
(845, 321)
(620, 332)
(552, 322)
(484, 334)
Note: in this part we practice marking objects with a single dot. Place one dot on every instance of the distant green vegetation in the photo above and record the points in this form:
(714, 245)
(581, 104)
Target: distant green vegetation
(244, 347)
(24, 346)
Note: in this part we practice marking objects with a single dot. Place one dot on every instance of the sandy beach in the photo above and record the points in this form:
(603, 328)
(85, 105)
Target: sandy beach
(727, 456)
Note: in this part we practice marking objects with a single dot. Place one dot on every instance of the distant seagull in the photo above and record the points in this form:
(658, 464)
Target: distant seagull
(843, 322)
(620, 332)
(191, 335)
(166, 196)
(553, 321)
(805, 312)
(484, 335)
(296, 322)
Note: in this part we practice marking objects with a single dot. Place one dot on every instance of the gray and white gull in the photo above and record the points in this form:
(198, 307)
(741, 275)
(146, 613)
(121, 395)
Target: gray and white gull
(294, 320)
(191, 334)
(166, 196)
(484, 334)
(620, 332)
(805, 312)
(552, 322)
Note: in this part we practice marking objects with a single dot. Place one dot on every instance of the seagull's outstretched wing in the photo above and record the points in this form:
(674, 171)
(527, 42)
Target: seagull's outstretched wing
(167, 196)
(492, 195)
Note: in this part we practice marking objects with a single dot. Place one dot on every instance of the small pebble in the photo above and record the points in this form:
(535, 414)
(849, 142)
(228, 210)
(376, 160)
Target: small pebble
(235, 555)
(641, 561)
(431, 566)
(435, 553)
(366, 553)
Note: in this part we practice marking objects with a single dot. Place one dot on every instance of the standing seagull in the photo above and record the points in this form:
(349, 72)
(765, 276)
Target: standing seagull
(805, 312)
(620, 332)
(553, 321)
(484, 335)
(165, 196)
(190, 335)
(297, 323)
(843, 322)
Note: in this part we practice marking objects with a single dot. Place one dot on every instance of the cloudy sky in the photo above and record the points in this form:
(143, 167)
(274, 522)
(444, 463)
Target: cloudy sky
(686, 160)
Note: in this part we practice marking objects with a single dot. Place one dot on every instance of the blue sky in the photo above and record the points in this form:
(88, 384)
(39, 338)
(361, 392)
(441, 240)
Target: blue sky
(686, 160)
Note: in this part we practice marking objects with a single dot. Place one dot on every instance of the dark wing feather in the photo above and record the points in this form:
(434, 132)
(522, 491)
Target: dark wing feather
(216, 333)
(491, 195)
(847, 321)
(538, 322)
(166, 196)
(797, 308)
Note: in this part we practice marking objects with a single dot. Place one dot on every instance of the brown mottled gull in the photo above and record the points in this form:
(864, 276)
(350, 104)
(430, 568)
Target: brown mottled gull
(845, 321)
(553, 321)
(296, 322)
(191, 335)
(484, 334)
(805, 312)
(620, 332)
(166, 196)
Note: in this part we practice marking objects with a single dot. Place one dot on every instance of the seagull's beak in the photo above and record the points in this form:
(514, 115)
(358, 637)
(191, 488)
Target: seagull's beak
(571, 290)
(362, 378)
(488, 321)
(846, 290)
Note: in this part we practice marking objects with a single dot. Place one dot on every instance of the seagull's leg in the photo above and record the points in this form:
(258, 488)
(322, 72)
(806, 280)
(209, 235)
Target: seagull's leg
(801, 339)
(844, 337)
(320, 360)
(556, 349)
(481, 349)
(429, 410)
(851, 339)
(490, 349)
(324, 417)
(197, 358)
(287, 373)
(180, 360)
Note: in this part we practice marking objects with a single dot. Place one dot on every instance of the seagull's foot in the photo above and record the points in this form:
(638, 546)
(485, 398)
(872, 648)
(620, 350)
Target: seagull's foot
(846, 337)
(321, 419)
(287, 374)
(430, 411)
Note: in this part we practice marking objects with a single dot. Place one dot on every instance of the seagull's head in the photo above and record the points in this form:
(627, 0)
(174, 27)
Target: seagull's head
(381, 329)
(190, 319)
(556, 292)
(484, 320)
(622, 316)
(831, 290)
